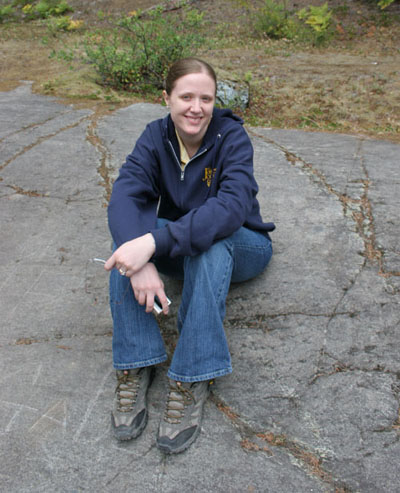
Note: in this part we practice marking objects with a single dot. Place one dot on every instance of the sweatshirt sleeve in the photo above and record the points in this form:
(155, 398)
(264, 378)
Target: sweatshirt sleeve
(224, 212)
(132, 210)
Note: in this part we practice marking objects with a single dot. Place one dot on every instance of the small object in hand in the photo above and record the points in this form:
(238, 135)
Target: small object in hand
(99, 260)
(102, 261)
(157, 305)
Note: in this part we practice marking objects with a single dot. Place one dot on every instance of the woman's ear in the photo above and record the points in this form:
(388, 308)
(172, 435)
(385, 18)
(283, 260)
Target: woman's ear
(166, 97)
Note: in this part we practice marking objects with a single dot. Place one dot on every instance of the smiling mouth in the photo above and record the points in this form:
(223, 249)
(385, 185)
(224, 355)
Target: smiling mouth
(194, 119)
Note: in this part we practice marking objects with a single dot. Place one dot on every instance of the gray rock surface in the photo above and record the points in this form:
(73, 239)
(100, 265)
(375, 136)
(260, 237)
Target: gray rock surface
(313, 403)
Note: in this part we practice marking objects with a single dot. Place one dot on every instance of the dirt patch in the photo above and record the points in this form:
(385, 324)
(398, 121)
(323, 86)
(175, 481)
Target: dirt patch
(353, 85)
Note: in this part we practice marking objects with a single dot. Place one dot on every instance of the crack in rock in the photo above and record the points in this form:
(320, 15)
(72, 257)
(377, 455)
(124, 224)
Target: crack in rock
(254, 441)
(334, 313)
(359, 210)
(28, 193)
(41, 139)
(340, 367)
(27, 341)
(260, 321)
(105, 155)
(396, 424)
(35, 125)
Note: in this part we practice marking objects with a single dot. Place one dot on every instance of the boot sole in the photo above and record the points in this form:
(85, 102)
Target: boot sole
(125, 433)
(169, 450)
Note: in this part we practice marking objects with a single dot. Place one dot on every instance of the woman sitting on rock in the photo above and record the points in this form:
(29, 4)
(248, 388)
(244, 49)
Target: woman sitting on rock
(185, 205)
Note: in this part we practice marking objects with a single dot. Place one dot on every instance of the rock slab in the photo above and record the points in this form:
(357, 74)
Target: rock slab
(313, 403)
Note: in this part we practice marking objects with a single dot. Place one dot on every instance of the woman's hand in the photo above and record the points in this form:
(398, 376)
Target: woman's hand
(147, 284)
(131, 256)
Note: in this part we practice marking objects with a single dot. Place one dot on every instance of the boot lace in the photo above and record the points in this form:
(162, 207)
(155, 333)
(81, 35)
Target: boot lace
(179, 398)
(127, 390)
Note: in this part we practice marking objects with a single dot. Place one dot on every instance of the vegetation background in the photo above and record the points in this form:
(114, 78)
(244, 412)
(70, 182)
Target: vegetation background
(336, 68)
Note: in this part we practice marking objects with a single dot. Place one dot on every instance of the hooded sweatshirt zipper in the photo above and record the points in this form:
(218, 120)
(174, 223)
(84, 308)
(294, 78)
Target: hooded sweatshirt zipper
(190, 160)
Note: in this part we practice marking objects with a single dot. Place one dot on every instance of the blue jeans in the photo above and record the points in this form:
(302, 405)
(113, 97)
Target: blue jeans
(202, 351)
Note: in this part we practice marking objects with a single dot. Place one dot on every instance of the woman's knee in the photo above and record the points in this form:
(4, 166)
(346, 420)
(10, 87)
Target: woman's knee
(216, 259)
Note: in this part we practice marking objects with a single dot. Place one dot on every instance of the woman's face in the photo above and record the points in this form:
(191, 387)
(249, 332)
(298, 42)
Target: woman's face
(191, 104)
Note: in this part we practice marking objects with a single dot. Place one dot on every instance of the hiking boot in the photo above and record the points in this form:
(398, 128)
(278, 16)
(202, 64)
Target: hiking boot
(129, 416)
(181, 423)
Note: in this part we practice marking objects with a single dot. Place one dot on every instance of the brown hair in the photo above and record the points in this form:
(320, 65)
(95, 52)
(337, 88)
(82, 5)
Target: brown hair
(186, 66)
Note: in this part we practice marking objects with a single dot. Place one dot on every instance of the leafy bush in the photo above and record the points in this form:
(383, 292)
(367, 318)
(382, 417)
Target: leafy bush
(63, 23)
(46, 8)
(311, 24)
(6, 12)
(384, 3)
(319, 20)
(21, 3)
(137, 52)
(272, 19)
(29, 10)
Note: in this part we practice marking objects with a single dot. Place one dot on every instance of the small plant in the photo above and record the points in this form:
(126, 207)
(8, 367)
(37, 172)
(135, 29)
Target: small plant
(75, 25)
(21, 3)
(310, 24)
(137, 52)
(384, 3)
(45, 9)
(48, 87)
(63, 23)
(318, 18)
(66, 55)
(6, 12)
(248, 77)
(271, 20)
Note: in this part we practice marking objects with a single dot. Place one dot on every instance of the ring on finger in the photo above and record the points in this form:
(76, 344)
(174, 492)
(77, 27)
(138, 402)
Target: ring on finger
(122, 272)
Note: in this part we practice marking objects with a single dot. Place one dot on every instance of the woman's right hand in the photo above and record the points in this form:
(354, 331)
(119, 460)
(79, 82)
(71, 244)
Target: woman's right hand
(146, 284)
(132, 255)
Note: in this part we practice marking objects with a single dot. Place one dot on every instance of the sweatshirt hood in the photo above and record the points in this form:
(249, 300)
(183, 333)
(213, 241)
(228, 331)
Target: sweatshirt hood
(226, 113)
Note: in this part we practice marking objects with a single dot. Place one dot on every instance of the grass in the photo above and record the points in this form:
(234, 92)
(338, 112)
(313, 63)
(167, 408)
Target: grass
(352, 85)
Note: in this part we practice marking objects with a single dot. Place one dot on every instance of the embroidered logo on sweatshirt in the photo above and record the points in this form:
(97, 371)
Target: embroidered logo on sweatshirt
(209, 175)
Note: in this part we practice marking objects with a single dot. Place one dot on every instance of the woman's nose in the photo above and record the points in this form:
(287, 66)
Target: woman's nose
(195, 105)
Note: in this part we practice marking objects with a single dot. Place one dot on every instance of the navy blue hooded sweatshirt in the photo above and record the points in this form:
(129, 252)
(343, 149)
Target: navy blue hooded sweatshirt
(209, 200)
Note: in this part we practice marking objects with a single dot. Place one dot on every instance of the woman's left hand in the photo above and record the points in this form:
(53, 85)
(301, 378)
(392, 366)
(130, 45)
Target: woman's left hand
(132, 255)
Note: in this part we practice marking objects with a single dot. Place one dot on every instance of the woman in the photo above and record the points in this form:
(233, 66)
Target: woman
(184, 204)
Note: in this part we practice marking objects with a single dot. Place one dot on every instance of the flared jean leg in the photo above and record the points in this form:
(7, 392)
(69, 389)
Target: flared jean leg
(137, 340)
(202, 351)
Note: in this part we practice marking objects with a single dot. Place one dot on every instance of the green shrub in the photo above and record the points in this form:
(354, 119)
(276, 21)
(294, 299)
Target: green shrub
(319, 19)
(271, 20)
(137, 52)
(311, 24)
(21, 3)
(63, 23)
(45, 9)
(6, 12)
(384, 3)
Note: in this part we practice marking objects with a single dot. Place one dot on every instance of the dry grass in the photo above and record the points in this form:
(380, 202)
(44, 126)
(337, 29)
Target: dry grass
(351, 86)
